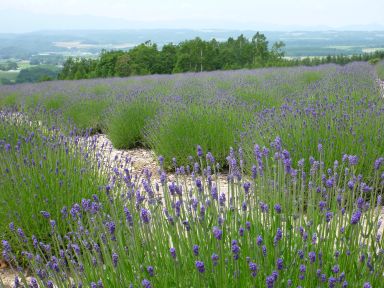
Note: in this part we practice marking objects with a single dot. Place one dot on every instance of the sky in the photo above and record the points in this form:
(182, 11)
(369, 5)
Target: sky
(30, 15)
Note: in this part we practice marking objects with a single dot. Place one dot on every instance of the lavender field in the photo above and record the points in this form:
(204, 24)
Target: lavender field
(301, 150)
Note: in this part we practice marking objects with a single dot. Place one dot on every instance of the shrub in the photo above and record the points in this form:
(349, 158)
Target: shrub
(125, 125)
(277, 228)
(87, 113)
(178, 130)
(42, 171)
(380, 70)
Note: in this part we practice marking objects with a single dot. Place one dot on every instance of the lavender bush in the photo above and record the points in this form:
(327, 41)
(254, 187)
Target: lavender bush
(339, 106)
(278, 227)
(42, 170)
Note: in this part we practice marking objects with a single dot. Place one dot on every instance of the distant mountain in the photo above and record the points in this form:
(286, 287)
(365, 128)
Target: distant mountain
(21, 22)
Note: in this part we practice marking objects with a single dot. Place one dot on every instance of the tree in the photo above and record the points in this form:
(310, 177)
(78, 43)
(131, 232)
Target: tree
(167, 59)
(277, 53)
(261, 49)
(36, 74)
(123, 65)
(9, 65)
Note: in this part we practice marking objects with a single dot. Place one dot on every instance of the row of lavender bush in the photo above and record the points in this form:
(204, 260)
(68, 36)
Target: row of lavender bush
(278, 227)
(339, 106)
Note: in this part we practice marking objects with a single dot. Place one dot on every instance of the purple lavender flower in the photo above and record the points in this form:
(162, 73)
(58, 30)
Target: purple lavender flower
(335, 269)
(20, 233)
(328, 216)
(146, 284)
(196, 250)
(145, 215)
(323, 278)
(235, 250)
(365, 188)
(278, 236)
(111, 227)
(217, 233)
(353, 159)
(244, 206)
(200, 266)
(275, 274)
(253, 267)
(312, 256)
(161, 160)
(259, 240)
(332, 281)
(12, 226)
(264, 207)
(214, 258)
(278, 208)
(186, 225)
(53, 224)
(45, 214)
(128, 216)
(367, 285)
(34, 283)
(16, 283)
(173, 252)
(378, 163)
(270, 281)
(222, 199)
(248, 225)
(246, 187)
(199, 151)
(279, 264)
(302, 268)
(163, 178)
(318, 272)
(355, 217)
(210, 157)
(214, 193)
(115, 259)
(264, 250)
(150, 271)
(254, 171)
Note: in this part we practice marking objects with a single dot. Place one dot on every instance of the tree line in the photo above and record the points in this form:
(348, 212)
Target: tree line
(188, 56)
(195, 55)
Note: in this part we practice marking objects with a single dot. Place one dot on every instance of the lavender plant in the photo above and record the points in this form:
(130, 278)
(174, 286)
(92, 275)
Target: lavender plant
(42, 170)
(278, 227)
(380, 70)
(339, 106)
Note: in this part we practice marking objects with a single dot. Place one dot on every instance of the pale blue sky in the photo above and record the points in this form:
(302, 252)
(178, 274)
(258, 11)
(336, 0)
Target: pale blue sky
(220, 14)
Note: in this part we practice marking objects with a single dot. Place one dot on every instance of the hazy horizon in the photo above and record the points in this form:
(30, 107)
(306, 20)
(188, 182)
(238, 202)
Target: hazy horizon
(21, 16)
